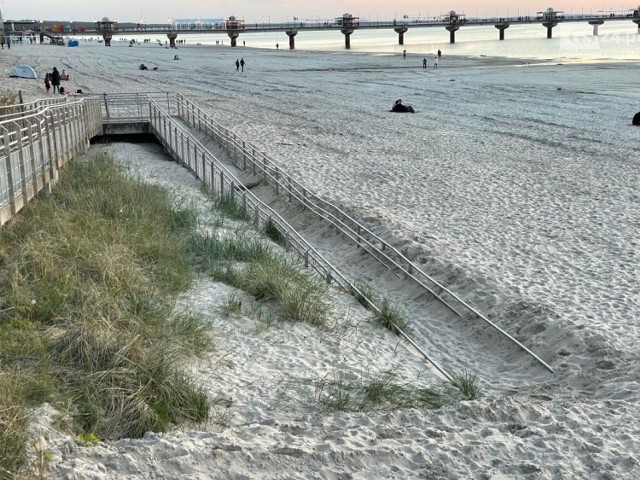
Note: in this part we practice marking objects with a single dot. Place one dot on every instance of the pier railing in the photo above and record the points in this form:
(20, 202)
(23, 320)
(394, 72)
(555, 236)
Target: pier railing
(36, 139)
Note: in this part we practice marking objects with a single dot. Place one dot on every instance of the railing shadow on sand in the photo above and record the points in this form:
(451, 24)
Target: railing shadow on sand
(246, 157)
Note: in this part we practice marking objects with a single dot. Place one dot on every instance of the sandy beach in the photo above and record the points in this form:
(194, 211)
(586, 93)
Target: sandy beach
(517, 185)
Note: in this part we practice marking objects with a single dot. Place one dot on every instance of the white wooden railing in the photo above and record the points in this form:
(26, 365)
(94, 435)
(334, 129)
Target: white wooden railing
(35, 145)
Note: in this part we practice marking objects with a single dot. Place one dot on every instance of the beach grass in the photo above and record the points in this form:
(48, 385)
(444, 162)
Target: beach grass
(250, 263)
(89, 276)
(273, 232)
(336, 391)
(227, 205)
(385, 313)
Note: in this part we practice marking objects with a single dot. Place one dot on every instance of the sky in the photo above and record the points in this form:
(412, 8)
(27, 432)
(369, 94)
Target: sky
(161, 11)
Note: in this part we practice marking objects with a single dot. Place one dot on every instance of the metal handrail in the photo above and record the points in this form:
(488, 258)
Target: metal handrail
(34, 146)
(174, 141)
(8, 112)
(194, 117)
(146, 105)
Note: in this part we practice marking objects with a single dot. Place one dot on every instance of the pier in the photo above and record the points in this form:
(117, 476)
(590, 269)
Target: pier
(346, 24)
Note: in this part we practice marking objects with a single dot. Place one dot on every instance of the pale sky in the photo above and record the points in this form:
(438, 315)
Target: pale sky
(159, 11)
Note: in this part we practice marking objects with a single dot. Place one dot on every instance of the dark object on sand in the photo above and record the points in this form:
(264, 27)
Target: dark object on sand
(398, 107)
(636, 120)
(143, 67)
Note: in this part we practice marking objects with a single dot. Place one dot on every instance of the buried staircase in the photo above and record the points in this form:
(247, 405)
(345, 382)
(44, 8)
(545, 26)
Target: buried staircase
(37, 139)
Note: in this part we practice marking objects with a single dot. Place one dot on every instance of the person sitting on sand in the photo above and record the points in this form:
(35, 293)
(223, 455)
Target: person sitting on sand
(636, 120)
(143, 67)
(400, 108)
(64, 75)
(176, 57)
(66, 91)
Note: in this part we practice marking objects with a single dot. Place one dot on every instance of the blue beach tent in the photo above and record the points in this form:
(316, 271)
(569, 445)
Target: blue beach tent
(73, 43)
(23, 71)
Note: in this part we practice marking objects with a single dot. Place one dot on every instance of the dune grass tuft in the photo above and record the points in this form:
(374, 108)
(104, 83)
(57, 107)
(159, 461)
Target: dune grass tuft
(467, 385)
(226, 204)
(386, 391)
(272, 232)
(385, 313)
(383, 391)
(249, 263)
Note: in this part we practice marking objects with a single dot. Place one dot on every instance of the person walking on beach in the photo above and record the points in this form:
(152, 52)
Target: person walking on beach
(439, 53)
(47, 81)
(55, 80)
(424, 63)
(237, 64)
(435, 63)
(277, 46)
(404, 54)
(242, 64)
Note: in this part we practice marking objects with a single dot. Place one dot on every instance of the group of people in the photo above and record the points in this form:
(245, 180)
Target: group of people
(52, 80)
(436, 60)
(240, 64)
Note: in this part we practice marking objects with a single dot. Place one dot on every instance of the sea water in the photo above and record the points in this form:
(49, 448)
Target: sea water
(617, 41)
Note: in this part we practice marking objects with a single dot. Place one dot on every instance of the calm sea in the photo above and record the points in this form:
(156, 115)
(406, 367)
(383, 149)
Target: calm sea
(617, 40)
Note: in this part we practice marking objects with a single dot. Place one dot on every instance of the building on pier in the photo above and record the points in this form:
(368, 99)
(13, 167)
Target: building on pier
(348, 21)
(233, 23)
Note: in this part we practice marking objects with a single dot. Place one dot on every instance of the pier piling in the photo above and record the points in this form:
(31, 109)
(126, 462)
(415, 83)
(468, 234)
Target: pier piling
(596, 24)
(401, 31)
(502, 27)
(347, 37)
(291, 34)
(452, 29)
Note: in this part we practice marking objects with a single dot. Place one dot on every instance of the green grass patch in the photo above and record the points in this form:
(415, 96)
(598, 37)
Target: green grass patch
(272, 232)
(227, 204)
(88, 280)
(385, 313)
(249, 263)
(385, 391)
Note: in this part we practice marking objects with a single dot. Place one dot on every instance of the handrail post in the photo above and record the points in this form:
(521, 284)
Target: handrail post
(33, 158)
(43, 155)
(106, 106)
(256, 218)
(7, 165)
(213, 178)
(23, 170)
